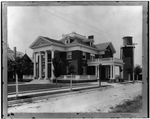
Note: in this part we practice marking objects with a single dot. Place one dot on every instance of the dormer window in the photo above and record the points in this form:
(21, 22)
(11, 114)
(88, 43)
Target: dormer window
(67, 41)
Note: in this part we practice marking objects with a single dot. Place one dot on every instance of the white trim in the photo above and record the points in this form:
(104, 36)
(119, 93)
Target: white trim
(40, 37)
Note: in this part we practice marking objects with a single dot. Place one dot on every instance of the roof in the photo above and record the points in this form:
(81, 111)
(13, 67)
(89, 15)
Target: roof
(103, 46)
(52, 40)
(27, 58)
(79, 41)
(44, 40)
(10, 50)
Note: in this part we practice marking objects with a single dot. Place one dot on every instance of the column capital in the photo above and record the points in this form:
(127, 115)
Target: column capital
(52, 50)
(34, 52)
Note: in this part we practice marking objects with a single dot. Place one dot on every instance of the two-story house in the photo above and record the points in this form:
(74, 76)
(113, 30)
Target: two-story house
(77, 50)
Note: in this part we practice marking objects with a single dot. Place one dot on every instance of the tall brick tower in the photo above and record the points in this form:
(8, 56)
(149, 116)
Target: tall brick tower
(127, 54)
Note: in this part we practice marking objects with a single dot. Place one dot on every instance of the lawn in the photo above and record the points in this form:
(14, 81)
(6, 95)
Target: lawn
(129, 106)
(30, 87)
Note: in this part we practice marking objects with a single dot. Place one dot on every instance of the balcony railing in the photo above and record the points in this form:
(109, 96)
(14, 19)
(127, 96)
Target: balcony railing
(111, 59)
(100, 59)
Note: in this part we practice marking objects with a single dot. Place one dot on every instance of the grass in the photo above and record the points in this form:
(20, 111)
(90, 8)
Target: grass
(129, 106)
(30, 87)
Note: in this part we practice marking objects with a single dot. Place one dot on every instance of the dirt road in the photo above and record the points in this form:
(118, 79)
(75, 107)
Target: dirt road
(88, 101)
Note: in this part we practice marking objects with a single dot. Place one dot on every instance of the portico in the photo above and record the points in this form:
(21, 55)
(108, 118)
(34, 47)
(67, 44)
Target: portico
(41, 62)
(43, 54)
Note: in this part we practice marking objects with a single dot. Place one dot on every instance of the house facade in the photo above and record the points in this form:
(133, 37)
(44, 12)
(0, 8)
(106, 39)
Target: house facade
(87, 58)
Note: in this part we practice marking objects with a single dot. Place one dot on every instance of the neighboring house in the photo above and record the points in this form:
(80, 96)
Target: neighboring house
(11, 54)
(26, 61)
(77, 50)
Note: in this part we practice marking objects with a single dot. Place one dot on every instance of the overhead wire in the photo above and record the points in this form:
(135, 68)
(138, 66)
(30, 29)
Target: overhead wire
(79, 20)
(70, 21)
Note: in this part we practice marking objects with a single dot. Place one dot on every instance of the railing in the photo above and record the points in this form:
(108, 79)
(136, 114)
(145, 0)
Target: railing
(111, 59)
(100, 59)
(78, 76)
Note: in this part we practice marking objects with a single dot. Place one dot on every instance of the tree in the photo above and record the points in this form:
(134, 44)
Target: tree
(137, 70)
(11, 69)
(22, 66)
(129, 70)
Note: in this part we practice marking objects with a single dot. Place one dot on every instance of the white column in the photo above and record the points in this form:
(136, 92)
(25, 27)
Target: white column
(52, 67)
(113, 72)
(98, 72)
(110, 71)
(34, 65)
(46, 66)
(106, 71)
(122, 72)
(40, 66)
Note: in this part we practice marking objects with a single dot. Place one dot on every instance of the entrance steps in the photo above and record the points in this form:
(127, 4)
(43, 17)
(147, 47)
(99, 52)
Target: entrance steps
(40, 81)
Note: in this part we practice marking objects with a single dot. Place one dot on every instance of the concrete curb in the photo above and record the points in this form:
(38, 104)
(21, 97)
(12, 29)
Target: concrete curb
(55, 93)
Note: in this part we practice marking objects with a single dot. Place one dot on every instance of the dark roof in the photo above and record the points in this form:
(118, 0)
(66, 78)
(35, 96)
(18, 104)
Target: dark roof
(103, 46)
(26, 58)
(9, 50)
(80, 41)
(52, 40)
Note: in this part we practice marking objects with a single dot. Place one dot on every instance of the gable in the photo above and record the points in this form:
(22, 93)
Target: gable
(106, 46)
(40, 41)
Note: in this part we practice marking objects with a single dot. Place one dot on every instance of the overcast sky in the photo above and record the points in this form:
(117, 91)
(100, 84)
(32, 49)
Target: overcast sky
(106, 23)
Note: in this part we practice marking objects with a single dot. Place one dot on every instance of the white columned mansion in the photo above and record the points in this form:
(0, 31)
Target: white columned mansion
(77, 50)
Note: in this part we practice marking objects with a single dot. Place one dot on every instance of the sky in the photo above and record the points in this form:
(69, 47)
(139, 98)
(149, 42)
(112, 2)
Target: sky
(106, 23)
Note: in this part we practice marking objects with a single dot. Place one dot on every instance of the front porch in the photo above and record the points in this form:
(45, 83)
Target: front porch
(105, 67)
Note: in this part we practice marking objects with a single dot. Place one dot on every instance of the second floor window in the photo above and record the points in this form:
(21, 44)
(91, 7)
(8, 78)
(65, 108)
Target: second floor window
(83, 55)
(92, 56)
(69, 55)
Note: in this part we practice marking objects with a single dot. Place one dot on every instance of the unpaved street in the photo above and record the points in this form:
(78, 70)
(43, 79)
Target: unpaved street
(88, 101)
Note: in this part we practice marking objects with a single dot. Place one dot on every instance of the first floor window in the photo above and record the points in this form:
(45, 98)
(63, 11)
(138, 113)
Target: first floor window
(84, 70)
(69, 55)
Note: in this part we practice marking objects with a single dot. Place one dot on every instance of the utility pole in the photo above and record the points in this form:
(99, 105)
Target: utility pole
(16, 77)
(133, 59)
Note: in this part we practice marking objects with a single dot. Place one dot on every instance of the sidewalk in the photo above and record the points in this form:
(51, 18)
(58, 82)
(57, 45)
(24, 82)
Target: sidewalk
(30, 96)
